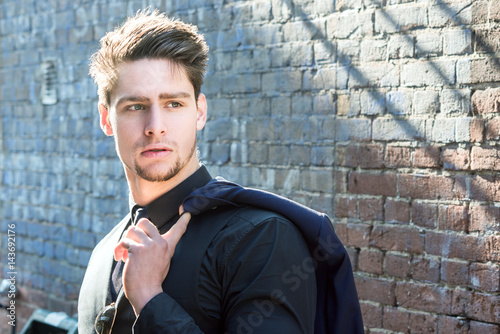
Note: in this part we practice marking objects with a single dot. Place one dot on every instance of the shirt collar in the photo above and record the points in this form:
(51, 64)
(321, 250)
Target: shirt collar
(165, 207)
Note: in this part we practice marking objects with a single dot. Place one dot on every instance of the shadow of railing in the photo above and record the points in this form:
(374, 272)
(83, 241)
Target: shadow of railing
(454, 16)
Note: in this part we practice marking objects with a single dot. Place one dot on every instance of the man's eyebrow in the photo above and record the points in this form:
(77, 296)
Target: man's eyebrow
(163, 96)
(177, 95)
(132, 99)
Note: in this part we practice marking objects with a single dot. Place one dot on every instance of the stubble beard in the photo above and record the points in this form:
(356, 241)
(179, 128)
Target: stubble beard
(168, 174)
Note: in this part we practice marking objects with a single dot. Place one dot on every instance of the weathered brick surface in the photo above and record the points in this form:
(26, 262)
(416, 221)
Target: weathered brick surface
(397, 265)
(455, 272)
(377, 290)
(396, 320)
(381, 113)
(485, 277)
(371, 261)
(453, 217)
(424, 214)
(427, 157)
(373, 184)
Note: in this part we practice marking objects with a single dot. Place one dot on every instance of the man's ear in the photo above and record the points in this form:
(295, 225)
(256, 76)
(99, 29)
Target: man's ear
(104, 119)
(201, 114)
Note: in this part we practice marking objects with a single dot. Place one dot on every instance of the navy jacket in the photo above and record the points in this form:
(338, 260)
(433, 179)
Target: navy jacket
(337, 308)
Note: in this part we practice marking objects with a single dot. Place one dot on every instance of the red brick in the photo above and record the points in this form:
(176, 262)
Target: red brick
(340, 181)
(485, 277)
(476, 130)
(423, 323)
(455, 158)
(461, 302)
(468, 247)
(485, 158)
(424, 214)
(485, 218)
(341, 231)
(453, 217)
(371, 261)
(487, 101)
(397, 157)
(345, 207)
(397, 265)
(492, 248)
(438, 243)
(426, 187)
(397, 211)
(485, 307)
(371, 156)
(423, 297)
(372, 184)
(372, 315)
(493, 129)
(376, 290)
(371, 209)
(425, 269)
(484, 188)
(347, 156)
(483, 328)
(462, 187)
(455, 272)
(396, 320)
(397, 238)
(452, 325)
(358, 235)
(455, 246)
(427, 157)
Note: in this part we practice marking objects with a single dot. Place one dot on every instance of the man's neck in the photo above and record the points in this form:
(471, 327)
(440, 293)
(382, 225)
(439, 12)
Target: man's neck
(144, 192)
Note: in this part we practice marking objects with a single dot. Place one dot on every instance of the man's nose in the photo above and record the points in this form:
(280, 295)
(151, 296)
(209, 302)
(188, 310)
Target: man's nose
(155, 125)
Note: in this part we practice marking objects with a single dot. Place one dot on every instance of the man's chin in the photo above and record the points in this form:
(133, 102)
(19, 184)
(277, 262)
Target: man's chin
(158, 175)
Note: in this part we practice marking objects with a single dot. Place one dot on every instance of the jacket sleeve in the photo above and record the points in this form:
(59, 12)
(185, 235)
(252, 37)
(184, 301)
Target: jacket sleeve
(267, 282)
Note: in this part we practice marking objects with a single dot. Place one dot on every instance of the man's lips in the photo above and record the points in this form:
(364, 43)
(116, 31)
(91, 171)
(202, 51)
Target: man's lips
(156, 151)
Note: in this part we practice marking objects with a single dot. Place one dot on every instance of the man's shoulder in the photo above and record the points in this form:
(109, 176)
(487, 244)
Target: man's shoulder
(257, 216)
(247, 215)
(249, 220)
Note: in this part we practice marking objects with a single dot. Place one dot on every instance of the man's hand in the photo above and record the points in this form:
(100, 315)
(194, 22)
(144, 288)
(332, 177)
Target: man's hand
(147, 255)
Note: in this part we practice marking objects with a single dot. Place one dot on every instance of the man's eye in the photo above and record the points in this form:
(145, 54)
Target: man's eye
(136, 107)
(174, 104)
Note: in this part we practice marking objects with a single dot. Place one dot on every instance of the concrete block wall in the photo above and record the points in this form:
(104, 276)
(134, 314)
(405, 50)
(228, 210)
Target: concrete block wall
(381, 113)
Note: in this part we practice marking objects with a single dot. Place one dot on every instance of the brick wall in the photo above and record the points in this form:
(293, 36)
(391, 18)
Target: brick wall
(381, 113)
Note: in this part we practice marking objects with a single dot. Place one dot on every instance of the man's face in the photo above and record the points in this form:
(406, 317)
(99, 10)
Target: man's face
(154, 117)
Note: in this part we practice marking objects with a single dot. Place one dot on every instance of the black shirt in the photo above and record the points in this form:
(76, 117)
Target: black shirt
(255, 276)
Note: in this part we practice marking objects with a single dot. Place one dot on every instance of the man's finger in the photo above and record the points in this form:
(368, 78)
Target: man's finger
(177, 231)
(122, 248)
(147, 227)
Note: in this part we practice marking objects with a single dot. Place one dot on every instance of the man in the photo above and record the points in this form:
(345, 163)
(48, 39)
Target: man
(149, 74)
(228, 269)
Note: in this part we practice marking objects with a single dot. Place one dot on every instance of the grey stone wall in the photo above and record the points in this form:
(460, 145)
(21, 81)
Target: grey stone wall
(381, 113)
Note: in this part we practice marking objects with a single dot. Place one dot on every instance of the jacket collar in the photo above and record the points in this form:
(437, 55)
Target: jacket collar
(166, 207)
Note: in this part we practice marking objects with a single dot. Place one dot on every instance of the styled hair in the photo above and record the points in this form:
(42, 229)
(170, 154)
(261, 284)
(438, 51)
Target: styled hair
(149, 35)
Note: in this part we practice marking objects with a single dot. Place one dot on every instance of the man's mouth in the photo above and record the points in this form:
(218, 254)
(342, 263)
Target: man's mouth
(156, 151)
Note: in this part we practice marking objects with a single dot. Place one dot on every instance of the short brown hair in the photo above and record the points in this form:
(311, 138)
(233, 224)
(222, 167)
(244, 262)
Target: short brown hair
(149, 35)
